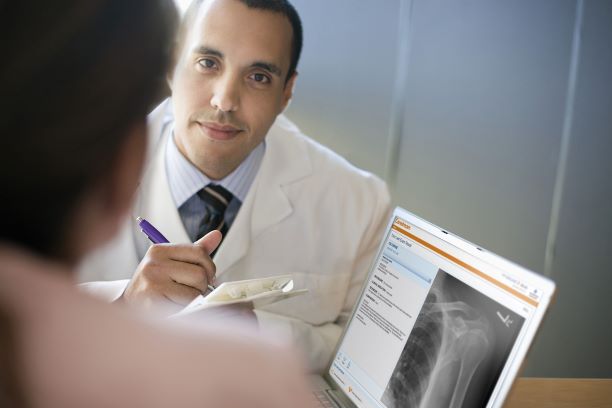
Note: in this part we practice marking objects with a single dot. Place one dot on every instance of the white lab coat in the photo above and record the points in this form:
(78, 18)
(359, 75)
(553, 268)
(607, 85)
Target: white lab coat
(309, 213)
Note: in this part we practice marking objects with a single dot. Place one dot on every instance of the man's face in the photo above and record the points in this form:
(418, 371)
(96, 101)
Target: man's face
(228, 85)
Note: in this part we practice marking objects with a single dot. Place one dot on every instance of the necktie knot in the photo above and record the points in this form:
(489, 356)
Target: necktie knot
(215, 196)
(215, 199)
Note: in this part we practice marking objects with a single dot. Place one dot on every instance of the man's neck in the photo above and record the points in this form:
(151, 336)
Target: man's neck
(185, 178)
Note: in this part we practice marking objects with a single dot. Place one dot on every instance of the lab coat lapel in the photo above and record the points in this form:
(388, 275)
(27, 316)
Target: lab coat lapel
(238, 239)
(286, 161)
(159, 207)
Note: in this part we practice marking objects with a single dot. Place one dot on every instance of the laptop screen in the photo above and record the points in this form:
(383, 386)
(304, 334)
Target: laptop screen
(440, 322)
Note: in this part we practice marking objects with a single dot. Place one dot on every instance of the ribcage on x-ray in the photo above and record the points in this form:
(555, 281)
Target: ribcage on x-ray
(411, 376)
(448, 341)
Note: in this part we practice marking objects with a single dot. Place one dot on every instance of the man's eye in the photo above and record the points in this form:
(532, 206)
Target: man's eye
(207, 63)
(260, 78)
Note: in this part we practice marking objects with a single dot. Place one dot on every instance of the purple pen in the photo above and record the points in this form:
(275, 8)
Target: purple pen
(157, 237)
(151, 232)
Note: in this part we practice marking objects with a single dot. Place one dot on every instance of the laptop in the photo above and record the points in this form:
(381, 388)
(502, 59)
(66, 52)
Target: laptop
(440, 322)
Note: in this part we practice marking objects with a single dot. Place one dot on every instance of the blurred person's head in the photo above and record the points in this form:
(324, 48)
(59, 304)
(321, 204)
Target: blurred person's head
(234, 72)
(77, 80)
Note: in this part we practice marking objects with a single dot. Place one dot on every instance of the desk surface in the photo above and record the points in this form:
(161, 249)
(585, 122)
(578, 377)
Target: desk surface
(560, 393)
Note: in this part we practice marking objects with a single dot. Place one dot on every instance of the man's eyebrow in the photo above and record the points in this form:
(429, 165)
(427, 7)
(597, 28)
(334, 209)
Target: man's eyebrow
(203, 50)
(271, 68)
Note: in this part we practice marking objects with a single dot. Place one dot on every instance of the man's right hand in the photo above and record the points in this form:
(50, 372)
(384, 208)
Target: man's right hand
(173, 274)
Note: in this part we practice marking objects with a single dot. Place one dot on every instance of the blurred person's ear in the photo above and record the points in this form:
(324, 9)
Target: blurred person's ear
(104, 208)
(170, 75)
(169, 81)
(172, 68)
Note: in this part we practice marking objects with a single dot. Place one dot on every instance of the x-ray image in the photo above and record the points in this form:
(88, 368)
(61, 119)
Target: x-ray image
(456, 350)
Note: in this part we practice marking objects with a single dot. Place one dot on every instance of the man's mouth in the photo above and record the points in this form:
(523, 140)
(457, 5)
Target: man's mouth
(219, 131)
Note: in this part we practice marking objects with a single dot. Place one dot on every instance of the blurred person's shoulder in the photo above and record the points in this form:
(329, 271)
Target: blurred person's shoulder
(78, 351)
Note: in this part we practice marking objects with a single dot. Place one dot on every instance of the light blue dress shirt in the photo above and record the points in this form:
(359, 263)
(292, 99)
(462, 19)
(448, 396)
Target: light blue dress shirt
(185, 180)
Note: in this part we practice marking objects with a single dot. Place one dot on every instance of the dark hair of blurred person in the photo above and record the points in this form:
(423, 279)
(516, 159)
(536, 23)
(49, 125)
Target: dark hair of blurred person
(77, 80)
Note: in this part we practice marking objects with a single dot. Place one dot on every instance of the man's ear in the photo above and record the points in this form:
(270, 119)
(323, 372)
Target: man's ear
(288, 91)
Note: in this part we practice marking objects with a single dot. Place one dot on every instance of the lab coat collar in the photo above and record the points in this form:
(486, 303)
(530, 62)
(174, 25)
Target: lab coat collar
(286, 161)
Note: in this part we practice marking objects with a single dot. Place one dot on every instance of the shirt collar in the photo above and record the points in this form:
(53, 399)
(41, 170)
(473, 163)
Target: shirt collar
(185, 179)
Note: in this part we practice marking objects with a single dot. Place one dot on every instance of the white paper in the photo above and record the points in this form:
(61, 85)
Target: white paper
(260, 292)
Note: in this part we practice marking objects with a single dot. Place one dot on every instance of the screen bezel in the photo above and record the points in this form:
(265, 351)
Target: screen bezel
(517, 355)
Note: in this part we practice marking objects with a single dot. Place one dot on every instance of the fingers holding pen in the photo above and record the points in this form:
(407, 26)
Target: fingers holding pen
(173, 272)
(208, 243)
(188, 264)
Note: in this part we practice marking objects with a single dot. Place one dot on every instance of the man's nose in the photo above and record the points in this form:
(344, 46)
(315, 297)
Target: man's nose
(226, 95)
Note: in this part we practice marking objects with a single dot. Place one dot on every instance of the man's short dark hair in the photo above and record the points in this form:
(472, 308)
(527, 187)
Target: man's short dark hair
(283, 7)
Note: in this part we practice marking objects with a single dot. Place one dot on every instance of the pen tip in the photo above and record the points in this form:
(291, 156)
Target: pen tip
(139, 219)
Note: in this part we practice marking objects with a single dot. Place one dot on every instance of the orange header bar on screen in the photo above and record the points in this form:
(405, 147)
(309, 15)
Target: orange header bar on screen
(464, 265)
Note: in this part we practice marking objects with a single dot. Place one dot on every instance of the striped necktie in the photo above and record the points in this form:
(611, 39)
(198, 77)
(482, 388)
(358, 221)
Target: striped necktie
(216, 199)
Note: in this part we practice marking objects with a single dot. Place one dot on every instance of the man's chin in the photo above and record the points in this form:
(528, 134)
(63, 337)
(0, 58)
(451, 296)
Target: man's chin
(214, 164)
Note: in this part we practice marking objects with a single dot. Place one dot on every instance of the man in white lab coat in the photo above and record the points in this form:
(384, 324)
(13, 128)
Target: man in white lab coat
(292, 205)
